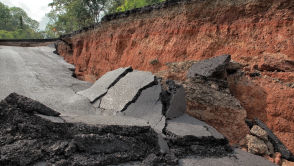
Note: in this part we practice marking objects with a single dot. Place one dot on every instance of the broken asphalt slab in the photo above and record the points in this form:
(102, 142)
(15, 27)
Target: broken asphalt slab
(148, 106)
(186, 136)
(174, 100)
(213, 67)
(30, 106)
(101, 86)
(186, 125)
(127, 90)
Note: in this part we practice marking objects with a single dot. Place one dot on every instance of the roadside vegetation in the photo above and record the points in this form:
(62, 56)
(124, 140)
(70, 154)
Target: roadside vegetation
(16, 24)
(65, 17)
(69, 15)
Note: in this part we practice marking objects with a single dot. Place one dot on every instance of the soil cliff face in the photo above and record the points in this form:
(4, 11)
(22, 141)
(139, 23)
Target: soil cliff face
(188, 30)
(257, 33)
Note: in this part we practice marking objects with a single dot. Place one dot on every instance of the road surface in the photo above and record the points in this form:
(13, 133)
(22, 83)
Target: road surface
(38, 73)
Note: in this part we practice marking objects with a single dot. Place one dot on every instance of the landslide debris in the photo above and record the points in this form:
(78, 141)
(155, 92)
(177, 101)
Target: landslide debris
(214, 98)
(209, 99)
(27, 139)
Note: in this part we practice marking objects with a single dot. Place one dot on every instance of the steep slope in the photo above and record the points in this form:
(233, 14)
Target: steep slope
(148, 38)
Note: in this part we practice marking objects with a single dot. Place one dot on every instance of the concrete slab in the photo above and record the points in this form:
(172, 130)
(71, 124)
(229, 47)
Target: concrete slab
(213, 67)
(148, 107)
(100, 87)
(241, 158)
(186, 125)
(177, 106)
(126, 90)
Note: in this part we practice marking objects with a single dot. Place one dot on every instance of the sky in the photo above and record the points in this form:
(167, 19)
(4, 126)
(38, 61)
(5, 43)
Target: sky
(36, 9)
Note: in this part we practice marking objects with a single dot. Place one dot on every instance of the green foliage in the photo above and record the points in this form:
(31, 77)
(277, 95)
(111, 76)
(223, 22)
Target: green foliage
(19, 14)
(5, 17)
(124, 5)
(16, 24)
(70, 15)
(67, 16)
(20, 34)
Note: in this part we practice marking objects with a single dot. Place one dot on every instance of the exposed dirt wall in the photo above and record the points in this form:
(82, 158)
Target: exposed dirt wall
(190, 30)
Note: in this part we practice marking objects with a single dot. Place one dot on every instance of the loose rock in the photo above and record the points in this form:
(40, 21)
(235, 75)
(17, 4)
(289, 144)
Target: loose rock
(256, 145)
(259, 132)
(278, 145)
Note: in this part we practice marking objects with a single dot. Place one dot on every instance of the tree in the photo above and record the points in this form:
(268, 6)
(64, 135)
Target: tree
(96, 8)
(27, 21)
(67, 16)
(16, 24)
(70, 15)
(5, 17)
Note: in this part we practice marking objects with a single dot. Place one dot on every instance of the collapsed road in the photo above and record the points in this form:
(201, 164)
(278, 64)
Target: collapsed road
(39, 74)
(124, 118)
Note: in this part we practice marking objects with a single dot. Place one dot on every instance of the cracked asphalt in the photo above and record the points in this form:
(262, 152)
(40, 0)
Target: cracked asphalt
(38, 73)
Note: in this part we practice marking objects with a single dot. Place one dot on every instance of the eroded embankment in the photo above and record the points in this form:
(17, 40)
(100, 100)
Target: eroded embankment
(257, 33)
(188, 30)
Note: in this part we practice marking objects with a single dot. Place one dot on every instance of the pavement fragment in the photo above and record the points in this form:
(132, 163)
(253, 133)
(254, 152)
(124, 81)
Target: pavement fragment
(101, 86)
(127, 90)
(213, 67)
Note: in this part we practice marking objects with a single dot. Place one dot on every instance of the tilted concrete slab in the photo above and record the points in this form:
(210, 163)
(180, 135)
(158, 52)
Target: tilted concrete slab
(186, 125)
(213, 67)
(148, 107)
(126, 90)
(240, 158)
(177, 106)
(101, 86)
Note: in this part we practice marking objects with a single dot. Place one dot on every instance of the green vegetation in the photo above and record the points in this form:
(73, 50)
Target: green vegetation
(65, 16)
(124, 5)
(16, 24)
(69, 15)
